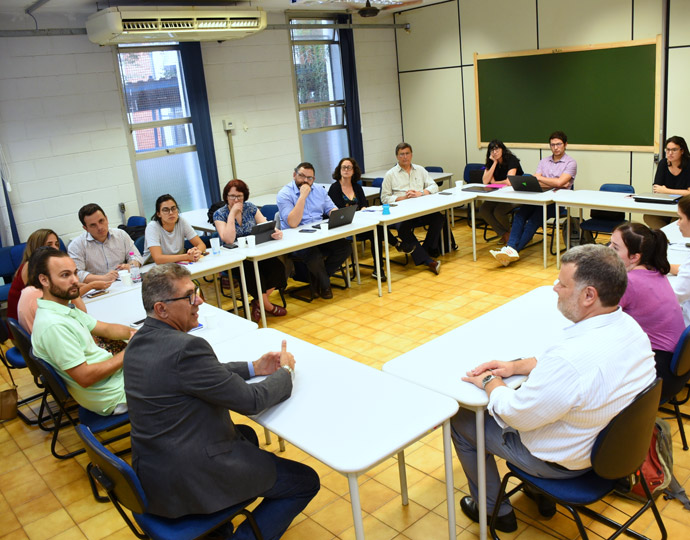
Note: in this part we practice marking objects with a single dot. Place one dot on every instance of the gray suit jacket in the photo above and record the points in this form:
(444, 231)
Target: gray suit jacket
(186, 450)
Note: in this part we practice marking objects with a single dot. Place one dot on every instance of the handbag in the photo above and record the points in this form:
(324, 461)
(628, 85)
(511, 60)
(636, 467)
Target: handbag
(8, 401)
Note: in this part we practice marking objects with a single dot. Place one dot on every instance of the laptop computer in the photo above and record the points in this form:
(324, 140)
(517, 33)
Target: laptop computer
(525, 182)
(341, 216)
(263, 231)
(478, 188)
(660, 198)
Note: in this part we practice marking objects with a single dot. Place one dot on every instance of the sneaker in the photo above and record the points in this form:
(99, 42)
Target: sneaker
(374, 276)
(505, 255)
(435, 267)
(506, 523)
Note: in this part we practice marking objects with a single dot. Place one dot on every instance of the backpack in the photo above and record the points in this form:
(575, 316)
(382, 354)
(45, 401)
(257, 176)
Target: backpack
(134, 232)
(657, 469)
(215, 206)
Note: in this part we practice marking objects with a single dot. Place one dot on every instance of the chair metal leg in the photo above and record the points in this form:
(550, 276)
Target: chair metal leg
(681, 428)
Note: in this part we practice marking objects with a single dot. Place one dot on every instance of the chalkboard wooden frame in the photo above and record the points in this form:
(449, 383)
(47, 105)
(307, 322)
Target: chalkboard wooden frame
(640, 137)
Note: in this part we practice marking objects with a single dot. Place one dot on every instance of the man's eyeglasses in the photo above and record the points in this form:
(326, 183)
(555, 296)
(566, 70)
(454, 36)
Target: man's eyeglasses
(191, 297)
(171, 210)
(556, 144)
(305, 176)
(236, 197)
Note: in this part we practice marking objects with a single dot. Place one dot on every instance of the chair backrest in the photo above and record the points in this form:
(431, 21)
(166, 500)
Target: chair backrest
(622, 445)
(680, 363)
(618, 188)
(114, 474)
(269, 210)
(377, 182)
(55, 384)
(22, 340)
(471, 167)
(607, 214)
(139, 244)
(433, 168)
(136, 221)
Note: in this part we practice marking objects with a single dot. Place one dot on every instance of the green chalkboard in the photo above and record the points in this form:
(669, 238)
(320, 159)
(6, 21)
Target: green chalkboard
(598, 96)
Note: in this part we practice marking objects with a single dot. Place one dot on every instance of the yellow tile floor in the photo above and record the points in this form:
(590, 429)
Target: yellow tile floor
(41, 497)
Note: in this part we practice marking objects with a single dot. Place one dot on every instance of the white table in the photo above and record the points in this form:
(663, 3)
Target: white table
(437, 177)
(509, 195)
(293, 240)
(349, 416)
(127, 308)
(421, 206)
(198, 219)
(605, 200)
(523, 327)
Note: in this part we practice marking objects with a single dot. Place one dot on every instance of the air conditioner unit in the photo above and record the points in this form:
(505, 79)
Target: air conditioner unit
(132, 25)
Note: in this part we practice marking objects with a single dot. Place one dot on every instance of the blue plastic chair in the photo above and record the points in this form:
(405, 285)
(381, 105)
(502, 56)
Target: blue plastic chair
(139, 244)
(121, 484)
(96, 423)
(433, 168)
(136, 221)
(269, 211)
(7, 270)
(618, 452)
(471, 167)
(605, 221)
(680, 368)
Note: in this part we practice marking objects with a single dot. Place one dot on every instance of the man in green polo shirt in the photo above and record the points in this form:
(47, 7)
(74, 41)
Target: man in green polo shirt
(63, 336)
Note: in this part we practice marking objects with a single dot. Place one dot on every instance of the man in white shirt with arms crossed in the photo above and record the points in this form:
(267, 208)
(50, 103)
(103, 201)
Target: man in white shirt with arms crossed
(595, 368)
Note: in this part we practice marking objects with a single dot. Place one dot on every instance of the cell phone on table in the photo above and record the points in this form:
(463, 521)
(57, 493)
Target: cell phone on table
(96, 293)
(307, 230)
(444, 193)
(229, 246)
(317, 226)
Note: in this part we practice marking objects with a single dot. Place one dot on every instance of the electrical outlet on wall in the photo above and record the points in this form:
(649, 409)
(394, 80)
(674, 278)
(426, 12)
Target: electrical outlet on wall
(227, 124)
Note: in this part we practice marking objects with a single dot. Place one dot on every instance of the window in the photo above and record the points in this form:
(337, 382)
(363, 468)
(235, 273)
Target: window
(320, 95)
(160, 122)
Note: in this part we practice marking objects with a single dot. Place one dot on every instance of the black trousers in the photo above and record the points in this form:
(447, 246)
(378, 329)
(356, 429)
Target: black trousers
(420, 255)
(324, 260)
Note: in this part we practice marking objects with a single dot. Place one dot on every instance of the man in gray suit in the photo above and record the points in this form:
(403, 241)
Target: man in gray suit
(188, 454)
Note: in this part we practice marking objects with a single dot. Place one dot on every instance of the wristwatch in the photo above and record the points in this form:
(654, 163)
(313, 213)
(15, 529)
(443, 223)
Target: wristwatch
(289, 370)
(486, 380)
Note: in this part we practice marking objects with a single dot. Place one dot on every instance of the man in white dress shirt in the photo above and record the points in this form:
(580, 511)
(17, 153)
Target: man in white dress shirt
(409, 181)
(595, 368)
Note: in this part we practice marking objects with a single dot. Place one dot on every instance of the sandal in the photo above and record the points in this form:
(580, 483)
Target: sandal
(256, 311)
(277, 311)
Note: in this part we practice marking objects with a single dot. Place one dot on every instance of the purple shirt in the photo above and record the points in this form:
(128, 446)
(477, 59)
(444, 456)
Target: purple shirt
(317, 205)
(553, 169)
(650, 300)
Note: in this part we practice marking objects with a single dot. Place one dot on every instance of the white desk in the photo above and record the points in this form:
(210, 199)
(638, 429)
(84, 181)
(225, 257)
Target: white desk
(420, 206)
(127, 308)
(437, 177)
(293, 240)
(347, 415)
(198, 219)
(523, 327)
(509, 195)
(605, 200)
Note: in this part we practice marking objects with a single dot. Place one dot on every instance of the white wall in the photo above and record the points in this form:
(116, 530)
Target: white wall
(63, 133)
(490, 26)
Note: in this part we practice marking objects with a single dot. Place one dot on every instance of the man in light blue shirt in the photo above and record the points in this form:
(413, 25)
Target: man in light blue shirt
(298, 205)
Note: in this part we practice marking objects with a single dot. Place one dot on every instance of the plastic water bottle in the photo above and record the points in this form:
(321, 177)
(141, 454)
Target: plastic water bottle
(134, 270)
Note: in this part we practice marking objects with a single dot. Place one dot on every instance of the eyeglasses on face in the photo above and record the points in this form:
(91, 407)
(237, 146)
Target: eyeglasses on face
(672, 150)
(191, 297)
(301, 175)
(346, 168)
(236, 197)
(170, 210)
(556, 144)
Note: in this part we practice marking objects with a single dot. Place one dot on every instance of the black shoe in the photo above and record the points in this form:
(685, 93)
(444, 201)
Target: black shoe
(326, 294)
(507, 523)
(546, 505)
(383, 276)
(404, 248)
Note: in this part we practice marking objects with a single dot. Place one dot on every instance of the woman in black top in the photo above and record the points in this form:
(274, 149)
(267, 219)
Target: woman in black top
(500, 164)
(346, 191)
(672, 176)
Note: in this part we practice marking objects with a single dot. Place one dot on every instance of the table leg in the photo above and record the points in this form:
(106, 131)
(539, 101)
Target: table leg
(243, 284)
(260, 298)
(474, 233)
(402, 472)
(450, 491)
(267, 436)
(388, 258)
(355, 258)
(377, 260)
(216, 284)
(356, 506)
(557, 232)
(281, 444)
(567, 225)
(545, 230)
(481, 472)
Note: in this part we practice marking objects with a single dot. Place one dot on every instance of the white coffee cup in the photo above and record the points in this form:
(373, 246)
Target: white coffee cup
(459, 184)
(125, 277)
(251, 241)
(215, 246)
(241, 241)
